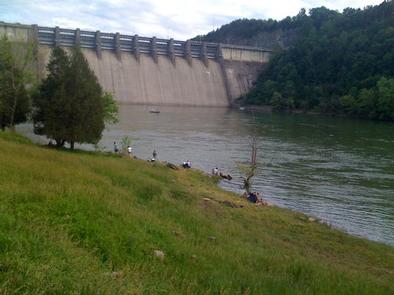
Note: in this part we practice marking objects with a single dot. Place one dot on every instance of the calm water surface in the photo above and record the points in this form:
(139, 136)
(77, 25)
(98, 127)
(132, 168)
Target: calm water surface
(338, 170)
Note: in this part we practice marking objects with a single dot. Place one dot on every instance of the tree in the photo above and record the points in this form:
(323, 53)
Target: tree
(331, 61)
(71, 105)
(14, 81)
(249, 169)
(366, 103)
(348, 103)
(385, 103)
(110, 109)
(51, 104)
(280, 103)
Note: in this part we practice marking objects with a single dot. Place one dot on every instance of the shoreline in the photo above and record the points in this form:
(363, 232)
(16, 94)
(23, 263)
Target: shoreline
(269, 109)
(91, 216)
(207, 173)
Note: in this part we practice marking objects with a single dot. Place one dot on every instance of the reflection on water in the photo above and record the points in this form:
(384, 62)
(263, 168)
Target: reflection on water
(339, 170)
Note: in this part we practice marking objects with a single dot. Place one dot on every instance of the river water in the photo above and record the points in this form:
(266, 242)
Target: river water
(335, 169)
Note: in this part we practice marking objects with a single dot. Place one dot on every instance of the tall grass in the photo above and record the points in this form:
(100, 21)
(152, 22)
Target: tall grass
(86, 223)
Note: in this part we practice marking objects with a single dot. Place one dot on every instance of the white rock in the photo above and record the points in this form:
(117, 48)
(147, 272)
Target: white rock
(159, 254)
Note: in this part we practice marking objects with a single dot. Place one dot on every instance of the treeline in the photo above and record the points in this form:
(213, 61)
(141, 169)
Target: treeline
(340, 63)
(270, 34)
(68, 106)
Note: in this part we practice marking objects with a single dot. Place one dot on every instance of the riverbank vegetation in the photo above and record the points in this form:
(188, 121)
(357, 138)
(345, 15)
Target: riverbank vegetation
(329, 61)
(90, 223)
(16, 81)
(68, 106)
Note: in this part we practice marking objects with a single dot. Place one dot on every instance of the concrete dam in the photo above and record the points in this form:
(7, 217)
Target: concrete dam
(152, 71)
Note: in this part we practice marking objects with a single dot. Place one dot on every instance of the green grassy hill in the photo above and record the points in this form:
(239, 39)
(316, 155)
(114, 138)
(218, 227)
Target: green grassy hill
(86, 223)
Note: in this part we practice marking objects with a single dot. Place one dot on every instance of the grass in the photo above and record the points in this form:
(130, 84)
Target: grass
(87, 223)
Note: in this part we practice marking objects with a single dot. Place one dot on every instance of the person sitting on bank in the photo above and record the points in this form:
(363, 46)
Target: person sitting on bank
(215, 171)
(187, 164)
(116, 149)
(129, 150)
(154, 154)
(252, 197)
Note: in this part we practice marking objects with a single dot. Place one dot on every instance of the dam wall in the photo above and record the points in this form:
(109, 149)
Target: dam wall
(153, 71)
(155, 83)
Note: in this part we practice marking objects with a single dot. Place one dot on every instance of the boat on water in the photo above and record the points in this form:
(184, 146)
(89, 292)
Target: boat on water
(154, 111)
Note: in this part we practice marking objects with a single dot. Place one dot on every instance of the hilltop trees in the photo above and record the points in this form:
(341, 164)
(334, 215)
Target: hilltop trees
(70, 105)
(325, 61)
(341, 63)
(14, 78)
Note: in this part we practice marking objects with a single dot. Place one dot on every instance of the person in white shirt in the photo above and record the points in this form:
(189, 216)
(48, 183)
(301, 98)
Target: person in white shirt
(215, 171)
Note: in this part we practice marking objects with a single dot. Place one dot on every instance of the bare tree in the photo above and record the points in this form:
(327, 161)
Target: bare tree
(249, 169)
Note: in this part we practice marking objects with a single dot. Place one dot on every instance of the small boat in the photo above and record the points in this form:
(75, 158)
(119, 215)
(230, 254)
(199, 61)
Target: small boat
(154, 111)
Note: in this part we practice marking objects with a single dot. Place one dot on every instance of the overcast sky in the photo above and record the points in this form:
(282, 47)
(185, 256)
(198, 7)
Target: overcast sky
(180, 19)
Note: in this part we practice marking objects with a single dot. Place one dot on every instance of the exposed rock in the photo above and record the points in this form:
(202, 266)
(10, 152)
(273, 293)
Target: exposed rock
(230, 204)
(311, 219)
(114, 274)
(212, 238)
(159, 254)
(225, 176)
(264, 203)
(176, 233)
(172, 166)
(326, 223)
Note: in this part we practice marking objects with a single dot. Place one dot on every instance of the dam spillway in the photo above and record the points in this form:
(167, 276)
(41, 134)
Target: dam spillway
(153, 71)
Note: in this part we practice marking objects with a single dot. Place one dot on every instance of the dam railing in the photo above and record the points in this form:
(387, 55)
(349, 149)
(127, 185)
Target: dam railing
(127, 43)
(132, 43)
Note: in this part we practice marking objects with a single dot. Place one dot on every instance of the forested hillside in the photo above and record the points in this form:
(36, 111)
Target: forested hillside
(335, 63)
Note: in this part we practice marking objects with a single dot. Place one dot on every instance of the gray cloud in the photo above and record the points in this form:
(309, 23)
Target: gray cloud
(180, 19)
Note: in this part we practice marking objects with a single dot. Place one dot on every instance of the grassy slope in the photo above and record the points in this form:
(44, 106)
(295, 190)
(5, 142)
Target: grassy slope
(87, 223)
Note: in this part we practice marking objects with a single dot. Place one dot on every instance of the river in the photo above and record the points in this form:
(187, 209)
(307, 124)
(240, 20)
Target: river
(336, 169)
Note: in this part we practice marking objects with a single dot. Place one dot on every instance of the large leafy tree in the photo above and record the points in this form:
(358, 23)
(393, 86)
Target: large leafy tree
(51, 104)
(70, 105)
(14, 80)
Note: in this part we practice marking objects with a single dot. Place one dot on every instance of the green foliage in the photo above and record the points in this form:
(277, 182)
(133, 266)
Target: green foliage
(385, 103)
(70, 105)
(110, 109)
(14, 81)
(332, 62)
(125, 142)
(348, 103)
(52, 106)
(280, 103)
(336, 65)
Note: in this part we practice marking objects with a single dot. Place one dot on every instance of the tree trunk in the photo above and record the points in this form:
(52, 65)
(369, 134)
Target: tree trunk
(59, 143)
(72, 145)
(14, 105)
